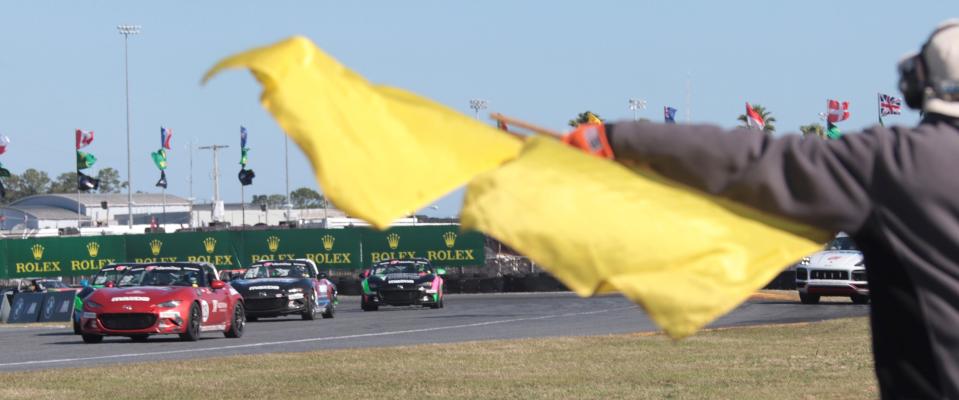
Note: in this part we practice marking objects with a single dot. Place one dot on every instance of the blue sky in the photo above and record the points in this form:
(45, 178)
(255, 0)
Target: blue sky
(62, 69)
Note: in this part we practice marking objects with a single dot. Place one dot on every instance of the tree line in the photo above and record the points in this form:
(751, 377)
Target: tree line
(303, 197)
(31, 182)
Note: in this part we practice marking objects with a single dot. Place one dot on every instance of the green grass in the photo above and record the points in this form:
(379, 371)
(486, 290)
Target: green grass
(828, 360)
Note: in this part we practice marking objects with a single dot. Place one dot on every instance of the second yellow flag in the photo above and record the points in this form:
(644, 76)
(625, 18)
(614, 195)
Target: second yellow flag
(687, 258)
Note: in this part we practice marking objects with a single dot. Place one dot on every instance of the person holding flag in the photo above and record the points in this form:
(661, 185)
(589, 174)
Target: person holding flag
(892, 190)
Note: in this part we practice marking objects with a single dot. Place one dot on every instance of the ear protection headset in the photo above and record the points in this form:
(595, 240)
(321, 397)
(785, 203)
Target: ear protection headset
(914, 75)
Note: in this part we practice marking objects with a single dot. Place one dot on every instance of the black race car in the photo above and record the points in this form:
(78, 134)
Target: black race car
(402, 282)
(277, 288)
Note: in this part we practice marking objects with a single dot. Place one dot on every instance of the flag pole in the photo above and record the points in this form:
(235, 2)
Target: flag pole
(879, 108)
(78, 198)
(524, 125)
(163, 217)
(242, 206)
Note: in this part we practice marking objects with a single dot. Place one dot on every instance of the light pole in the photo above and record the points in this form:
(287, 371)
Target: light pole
(477, 105)
(126, 31)
(636, 105)
(216, 176)
(286, 172)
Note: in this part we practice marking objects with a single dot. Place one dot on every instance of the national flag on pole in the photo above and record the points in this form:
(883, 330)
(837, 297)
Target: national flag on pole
(162, 182)
(86, 182)
(166, 135)
(669, 114)
(753, 119)
(244, 156)
(242, 137)
(4, 142)
(832, 131)
(837, 111)
(889, 105)
(85, 160)
(84, 138)
(159, 159)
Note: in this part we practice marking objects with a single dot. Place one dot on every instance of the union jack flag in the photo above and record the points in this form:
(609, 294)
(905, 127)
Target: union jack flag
(889, 105)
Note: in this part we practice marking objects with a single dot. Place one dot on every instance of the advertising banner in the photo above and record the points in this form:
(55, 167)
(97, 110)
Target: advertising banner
(328, 248)
(443, 245)
(69, 256)
(57, 306)
(25, 308)
(218, 248)
(349, 248)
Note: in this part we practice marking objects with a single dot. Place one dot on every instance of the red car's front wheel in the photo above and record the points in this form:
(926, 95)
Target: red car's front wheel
(192, 332)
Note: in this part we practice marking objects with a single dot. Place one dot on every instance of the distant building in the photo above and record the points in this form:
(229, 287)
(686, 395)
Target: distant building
(62, 210)
(106, 214)
(233, 214)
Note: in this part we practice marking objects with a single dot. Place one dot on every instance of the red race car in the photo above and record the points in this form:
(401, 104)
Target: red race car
(163, 298)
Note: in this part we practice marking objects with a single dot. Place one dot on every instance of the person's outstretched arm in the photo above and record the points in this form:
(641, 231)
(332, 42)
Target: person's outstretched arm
(825, 183)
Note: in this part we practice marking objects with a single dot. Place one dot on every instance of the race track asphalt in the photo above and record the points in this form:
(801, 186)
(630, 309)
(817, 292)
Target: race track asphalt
(465, 318)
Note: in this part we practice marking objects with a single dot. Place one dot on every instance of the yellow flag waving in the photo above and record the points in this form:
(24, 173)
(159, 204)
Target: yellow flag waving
(599, 227)
(378, 152)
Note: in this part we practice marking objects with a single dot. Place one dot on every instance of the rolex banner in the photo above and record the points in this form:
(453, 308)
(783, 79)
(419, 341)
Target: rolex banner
(343, 249)
(328, 248)
(443, 245)
(67, 256)
(217, 248)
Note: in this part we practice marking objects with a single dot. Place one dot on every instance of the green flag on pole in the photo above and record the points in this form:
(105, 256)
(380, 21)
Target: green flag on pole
(159, 158)
(243, 156)
(832, 131)
(85, 160)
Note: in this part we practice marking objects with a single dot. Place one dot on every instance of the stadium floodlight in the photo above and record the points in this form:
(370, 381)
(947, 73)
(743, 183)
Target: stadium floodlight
(126, 31)
(636, 105)
(477, 105)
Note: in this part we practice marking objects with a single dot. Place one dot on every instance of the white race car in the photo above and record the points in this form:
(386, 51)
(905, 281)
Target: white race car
(836, 271)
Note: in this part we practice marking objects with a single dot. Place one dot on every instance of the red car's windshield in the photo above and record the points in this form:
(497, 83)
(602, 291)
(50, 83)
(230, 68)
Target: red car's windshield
(161, 275)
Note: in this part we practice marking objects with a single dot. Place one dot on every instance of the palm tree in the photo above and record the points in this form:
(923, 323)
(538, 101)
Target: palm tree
(814, 129)
(583, 118)
(766, 116)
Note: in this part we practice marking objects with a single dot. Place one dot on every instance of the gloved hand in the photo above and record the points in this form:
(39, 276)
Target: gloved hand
(591, 138)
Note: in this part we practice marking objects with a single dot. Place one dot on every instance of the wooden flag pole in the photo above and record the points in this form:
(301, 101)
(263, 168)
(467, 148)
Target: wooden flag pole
(509, 121)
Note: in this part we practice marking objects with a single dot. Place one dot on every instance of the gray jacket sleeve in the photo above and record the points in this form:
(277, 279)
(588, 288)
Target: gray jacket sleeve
(824, 183)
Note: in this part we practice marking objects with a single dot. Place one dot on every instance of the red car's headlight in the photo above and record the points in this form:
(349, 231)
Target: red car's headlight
(169, 304)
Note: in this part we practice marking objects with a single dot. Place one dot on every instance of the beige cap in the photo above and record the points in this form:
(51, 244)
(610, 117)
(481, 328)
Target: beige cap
(941, 57)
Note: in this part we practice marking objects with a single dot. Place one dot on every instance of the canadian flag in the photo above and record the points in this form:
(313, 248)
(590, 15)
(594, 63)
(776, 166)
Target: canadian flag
(837, 111)
(4, 142)
(753, 119)
(84, 138)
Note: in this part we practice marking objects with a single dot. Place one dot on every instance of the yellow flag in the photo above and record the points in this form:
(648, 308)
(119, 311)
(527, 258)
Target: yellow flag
(378, 152)
(687, 258)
